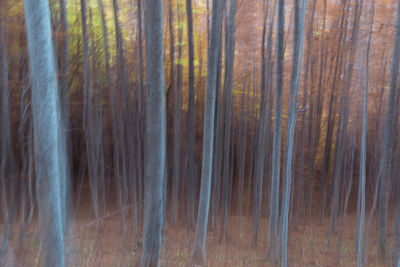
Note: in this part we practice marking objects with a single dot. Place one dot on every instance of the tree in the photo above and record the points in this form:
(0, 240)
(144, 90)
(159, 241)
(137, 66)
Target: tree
(208, 135)
(65, 185)
(363, 154)
(88, 118)
(5, 145)
(261, 136)
(227, 166)
(46, 126)
(119, 96)
(384, 171)
(291, 123)
(191, 174)
(155, 135)
(276, 152)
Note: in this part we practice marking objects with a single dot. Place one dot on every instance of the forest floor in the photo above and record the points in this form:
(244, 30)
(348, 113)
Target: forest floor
(106, 246)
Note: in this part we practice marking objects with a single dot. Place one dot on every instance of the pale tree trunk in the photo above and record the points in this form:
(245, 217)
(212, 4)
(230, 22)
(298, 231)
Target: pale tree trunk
(208, 135)
(46, 125)
(300, 175)
(299, 15)
(24, 136)
(217, 148)
(155, 135)
(65, 180)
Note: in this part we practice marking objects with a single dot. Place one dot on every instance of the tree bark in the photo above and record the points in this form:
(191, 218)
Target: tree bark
(299, 15)
(276, 158)
(208, 136)
(155, 135)
(46, 125)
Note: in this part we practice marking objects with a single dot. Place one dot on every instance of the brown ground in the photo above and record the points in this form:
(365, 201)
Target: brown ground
(108, 247)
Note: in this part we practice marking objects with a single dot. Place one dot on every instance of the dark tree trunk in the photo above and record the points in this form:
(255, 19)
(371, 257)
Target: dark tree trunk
(155, 135)
(229, 62)
(191, 175)
(276, 158)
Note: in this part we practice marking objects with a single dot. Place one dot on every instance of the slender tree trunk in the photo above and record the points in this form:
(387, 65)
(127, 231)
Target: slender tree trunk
(87, 113)
(208, 136)
(5, 137)
(384, 172)
(123, 121)
(176, 141)
(241, 151)
(229, 62)
(331, 114)
(363, 153)
(276, 158)
(299, 15)
(343, 122)
(191, 175)
(65, 180)
(141, 108)
(109, 82)
(64, 49)
(300, 176)
(261, 144)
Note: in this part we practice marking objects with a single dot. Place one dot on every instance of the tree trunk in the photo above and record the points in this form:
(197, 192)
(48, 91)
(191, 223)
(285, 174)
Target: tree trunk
(208, 136)
(276, 153)
(5, 137)
(291, 123)
(386, 152)
(46, 118)
(260, 144)
(191, 175)
(229, 62)
(155, 135)
(363, 153)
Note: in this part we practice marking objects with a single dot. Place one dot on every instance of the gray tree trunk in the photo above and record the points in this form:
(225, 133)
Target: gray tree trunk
(65, 180)
(176, 137)
(46, 124)
(5, 138)
(229, 62)
(291, 123)
(191, 175)
(155, 135)
(261, 144)
(208, 136)
(384, 172)
(276, 153)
